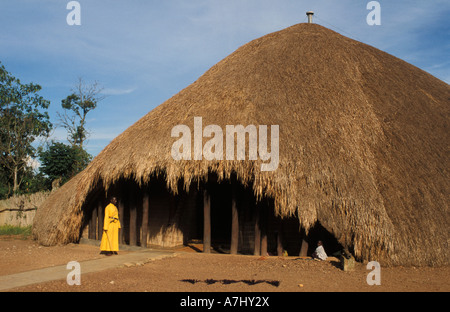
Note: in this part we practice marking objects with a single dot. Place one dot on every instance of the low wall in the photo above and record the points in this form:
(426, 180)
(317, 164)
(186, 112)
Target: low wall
(20, 210)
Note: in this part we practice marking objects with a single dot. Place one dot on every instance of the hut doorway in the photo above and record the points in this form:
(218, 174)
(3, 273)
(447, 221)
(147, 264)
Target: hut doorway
(221, 216)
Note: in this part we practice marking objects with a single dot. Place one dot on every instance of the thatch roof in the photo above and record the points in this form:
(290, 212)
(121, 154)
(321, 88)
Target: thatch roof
(363, 144)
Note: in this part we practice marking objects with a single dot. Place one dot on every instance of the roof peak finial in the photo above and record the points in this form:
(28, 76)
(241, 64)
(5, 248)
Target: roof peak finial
(310, 15)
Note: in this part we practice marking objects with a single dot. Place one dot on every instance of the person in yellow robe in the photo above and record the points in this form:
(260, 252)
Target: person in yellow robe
(111, 225)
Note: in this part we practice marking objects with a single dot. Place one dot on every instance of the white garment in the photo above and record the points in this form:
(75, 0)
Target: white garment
(321, 254)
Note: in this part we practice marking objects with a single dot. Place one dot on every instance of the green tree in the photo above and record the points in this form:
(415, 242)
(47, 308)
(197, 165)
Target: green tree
(5, 188)
(34, 182)
(84, 98)
(61, 161)
(23, 118)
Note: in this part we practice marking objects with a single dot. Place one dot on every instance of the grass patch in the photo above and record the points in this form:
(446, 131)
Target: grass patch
(24, 232)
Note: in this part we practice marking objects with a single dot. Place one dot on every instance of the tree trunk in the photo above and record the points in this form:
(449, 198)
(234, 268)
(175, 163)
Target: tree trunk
(16, 185)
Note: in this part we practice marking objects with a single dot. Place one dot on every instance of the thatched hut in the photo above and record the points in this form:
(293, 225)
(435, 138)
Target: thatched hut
(363, 159)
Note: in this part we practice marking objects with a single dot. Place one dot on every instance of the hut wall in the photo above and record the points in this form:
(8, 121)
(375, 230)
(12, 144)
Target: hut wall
(164, 219)
(247, 207)
(92, 227)
(173, 219)
(192, 216)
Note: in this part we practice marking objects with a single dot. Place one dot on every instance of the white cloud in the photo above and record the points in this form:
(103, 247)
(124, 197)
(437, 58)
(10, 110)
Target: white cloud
(32, 163)
(117, 91)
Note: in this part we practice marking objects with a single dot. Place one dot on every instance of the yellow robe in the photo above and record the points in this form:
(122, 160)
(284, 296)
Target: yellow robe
(110, 238)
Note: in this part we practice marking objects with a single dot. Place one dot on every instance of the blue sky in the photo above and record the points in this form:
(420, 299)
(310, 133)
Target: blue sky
(144, 52)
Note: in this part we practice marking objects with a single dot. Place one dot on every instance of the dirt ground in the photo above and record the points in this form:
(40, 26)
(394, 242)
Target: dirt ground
(191, 271)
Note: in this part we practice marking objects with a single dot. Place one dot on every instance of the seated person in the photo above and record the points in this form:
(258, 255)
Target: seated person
(320, 253)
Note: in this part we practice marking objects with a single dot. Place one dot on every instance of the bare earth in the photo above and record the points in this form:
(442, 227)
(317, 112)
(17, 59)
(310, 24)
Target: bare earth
(190, 271)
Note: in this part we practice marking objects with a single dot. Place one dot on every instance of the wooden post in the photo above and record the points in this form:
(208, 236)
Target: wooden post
(145, 207)
(121, 219)
(257, 248)
(133, 217)
(206, 222)
(100, 217)
(234, 221)
(304, 249)
(304, 246)
(93, 223)
(280, 239)
(264, 227)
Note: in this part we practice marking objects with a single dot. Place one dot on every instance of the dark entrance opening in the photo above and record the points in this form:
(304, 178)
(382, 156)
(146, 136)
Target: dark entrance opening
(220, 216)
(329, 241)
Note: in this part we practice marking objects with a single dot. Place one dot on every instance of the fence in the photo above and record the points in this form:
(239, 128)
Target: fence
(20, 210)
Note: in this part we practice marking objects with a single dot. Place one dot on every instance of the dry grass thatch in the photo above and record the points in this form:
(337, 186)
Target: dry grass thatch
(363, 144)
